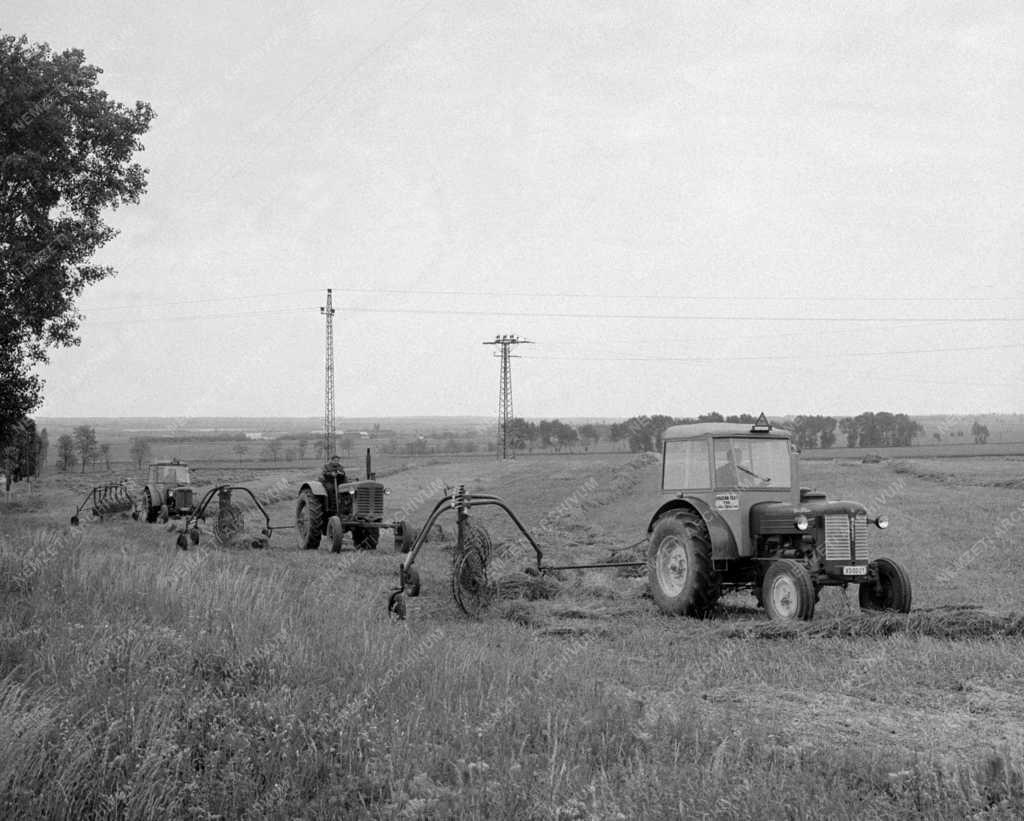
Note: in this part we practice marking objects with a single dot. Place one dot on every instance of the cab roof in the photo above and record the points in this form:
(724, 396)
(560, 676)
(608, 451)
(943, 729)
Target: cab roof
(722, 429)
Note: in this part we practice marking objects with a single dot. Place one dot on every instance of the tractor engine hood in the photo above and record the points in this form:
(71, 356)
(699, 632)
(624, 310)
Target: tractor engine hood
(768, 518)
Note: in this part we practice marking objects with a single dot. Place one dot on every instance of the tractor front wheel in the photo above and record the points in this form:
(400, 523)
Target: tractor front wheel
(788, 591)
(679, 568)
(148, 511)
(335, 533)
(887, 588)
(309, 520)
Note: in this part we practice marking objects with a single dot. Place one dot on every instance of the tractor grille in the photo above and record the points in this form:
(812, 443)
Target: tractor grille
(182, 498)
(860, 537)
(837, 538)
(369, 501)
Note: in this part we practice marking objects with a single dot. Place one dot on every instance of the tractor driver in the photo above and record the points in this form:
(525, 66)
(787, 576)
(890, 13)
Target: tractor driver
(726, 474)
(732, 472)
(333, 468)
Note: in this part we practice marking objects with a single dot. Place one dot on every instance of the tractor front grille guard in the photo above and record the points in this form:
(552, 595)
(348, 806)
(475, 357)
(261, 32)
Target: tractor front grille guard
(471, 588)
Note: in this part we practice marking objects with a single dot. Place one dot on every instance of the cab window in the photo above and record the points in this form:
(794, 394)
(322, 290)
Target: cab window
(756, 463)
(686, 465)
(172, 474)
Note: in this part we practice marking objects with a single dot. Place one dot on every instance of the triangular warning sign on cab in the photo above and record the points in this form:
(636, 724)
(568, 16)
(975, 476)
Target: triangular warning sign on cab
(762, 423)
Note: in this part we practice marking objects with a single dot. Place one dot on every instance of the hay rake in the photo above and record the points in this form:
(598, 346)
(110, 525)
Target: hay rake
(230, 519)
(472, 588)
(106, 500)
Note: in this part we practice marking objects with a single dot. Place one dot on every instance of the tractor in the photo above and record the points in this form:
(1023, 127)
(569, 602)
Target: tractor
(739, 519)
(168, 492)
(335, 504)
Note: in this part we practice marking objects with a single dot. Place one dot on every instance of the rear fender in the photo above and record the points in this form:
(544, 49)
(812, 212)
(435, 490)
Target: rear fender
(723, 544)
(314, 487)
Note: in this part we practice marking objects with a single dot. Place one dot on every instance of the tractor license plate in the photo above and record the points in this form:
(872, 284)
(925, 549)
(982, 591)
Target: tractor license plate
(855, 570)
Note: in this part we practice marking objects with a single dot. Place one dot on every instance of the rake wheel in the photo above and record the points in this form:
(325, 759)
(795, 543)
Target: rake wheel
(471, 588)
(478, 537)
(229, 523)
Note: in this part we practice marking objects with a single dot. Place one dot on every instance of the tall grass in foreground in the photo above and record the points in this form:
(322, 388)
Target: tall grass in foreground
(142, 682)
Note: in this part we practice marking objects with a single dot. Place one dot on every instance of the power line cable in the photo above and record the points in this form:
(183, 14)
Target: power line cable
(590, 315)
(772, 357)
(802, 298)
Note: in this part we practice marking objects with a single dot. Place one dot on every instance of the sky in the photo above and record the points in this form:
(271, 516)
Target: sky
(786, 207)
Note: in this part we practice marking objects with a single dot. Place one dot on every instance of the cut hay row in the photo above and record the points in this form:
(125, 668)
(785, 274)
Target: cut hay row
(943, 622)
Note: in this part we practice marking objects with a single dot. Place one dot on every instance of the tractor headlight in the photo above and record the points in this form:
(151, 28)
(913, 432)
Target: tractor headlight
(387, 491)
(800, 520)
(882, 522)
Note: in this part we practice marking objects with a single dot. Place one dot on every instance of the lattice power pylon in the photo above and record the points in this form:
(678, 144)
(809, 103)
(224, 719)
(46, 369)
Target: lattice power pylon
(330, 426)
(507, 341)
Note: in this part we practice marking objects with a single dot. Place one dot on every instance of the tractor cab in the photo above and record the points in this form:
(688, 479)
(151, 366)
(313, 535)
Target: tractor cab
(168, 474)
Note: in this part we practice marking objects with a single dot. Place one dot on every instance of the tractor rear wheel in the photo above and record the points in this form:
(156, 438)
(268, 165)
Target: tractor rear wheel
(365, 538)
(788, 591)
(679, 568)
(889, 589)
(309, 520)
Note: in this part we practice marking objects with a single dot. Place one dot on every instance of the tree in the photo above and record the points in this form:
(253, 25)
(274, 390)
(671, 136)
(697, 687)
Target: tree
(85, 443)
(273, 449)
(814, 431)
(301, 446)
(65, 452)
(139, 451)
(20, 451)
(979, 432)
(589, 435)
(881, 429)
(43, 452)
(241, 449)
(345, 444)
(644, 432)
(105, 453)
(66, 151)
(521, 434)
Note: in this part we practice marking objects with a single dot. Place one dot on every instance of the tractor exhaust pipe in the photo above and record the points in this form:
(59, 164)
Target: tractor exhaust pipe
(369, 469)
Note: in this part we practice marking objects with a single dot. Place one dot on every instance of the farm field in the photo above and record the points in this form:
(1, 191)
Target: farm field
(142, 681)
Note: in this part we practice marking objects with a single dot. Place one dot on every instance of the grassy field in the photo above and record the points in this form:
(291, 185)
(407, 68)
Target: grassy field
(141, 681)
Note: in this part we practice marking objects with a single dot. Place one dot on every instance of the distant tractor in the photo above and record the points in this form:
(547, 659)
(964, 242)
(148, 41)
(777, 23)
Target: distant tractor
(168, 492)
(740, 520)
(334, 505)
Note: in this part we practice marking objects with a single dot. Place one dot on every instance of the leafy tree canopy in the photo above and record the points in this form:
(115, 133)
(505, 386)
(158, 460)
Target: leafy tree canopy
(66, 155)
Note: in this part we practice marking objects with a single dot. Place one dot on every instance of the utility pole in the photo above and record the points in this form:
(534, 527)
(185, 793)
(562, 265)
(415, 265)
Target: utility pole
(329, 423)
(507, 341)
